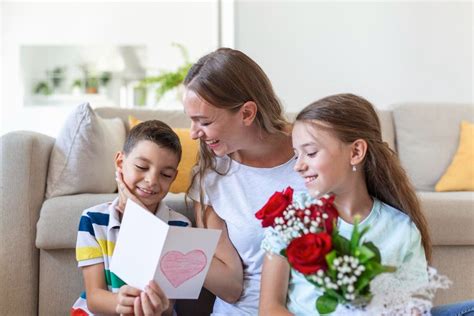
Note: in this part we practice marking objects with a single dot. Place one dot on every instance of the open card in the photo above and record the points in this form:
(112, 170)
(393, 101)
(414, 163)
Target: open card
(177, 258)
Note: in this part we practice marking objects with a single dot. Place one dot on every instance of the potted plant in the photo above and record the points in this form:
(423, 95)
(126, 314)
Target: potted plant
(57, 77)
(169, 80)
(76, 86)
(92, 84)
(43, 88)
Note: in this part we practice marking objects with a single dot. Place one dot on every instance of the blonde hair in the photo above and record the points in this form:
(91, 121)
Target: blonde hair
(352, 117)
(227, 78)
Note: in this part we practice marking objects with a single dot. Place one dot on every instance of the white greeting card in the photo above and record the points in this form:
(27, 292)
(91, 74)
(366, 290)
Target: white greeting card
(177, 258)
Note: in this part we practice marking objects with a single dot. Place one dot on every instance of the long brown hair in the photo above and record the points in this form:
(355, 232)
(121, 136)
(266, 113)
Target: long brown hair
(352, 117)
(226, 79)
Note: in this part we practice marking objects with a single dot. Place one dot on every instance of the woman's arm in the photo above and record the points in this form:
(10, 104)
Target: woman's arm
(273, 290)
(225, 278)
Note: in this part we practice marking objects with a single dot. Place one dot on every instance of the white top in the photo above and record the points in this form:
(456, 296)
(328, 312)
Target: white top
(236, 197)
(392, 231)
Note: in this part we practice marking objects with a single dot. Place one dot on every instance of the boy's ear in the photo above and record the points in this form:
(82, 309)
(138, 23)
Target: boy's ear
(119, 160)
(249, 112)
(358, 151)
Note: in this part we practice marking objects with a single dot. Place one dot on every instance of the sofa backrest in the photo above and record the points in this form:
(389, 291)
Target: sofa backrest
(179, 119)
(427, 137)
(173, 118)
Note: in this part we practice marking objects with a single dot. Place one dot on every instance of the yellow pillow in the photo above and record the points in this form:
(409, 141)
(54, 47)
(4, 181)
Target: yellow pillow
(188, 159)
(460, 174)
(132, 121)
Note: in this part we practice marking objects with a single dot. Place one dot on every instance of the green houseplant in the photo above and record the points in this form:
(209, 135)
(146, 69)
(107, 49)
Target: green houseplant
(169, 80)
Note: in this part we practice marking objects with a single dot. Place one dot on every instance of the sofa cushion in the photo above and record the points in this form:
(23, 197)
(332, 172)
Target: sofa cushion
(59, 217)
(427, 138)
(82, 160)
(450, 217)
(460, 174)
(387, 128)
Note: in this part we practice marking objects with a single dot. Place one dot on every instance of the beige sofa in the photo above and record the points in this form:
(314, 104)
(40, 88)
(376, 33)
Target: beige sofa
(38, 272)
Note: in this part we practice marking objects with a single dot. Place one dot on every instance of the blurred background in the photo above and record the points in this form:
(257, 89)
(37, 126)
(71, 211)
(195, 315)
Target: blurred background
(55, 55)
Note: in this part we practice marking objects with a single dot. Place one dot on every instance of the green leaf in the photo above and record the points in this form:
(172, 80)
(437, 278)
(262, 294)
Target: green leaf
(389, 269)
(326, 304)
(341, 245)
(362, 282)
(334, 294)
(364, 254)
(372, 269)
(375, 250)
(357, 235)
(283, 252)
(330, 258)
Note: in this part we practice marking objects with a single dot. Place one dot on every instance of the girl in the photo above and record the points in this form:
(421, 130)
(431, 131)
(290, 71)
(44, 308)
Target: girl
(339, 150)
(245, 155)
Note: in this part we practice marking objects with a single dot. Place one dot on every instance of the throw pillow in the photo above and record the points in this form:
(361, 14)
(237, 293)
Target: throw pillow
(460, 174)
(82, 159)
(188, 159)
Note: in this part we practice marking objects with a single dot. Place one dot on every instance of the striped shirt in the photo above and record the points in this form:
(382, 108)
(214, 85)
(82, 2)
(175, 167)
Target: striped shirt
(99, 227)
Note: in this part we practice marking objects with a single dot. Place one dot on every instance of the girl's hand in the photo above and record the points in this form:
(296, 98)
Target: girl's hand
(125, 299)
(151, 302)
(124, 193)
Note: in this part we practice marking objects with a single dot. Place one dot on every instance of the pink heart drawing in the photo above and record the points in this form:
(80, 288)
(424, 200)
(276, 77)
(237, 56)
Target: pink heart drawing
(178, 267)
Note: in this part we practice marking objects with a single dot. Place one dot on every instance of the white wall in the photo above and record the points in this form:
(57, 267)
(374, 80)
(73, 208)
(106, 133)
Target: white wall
(386, 51)
(154, 24)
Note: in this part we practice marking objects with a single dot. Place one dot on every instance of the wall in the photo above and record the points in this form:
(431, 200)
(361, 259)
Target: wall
(387, 51)
(154, 24)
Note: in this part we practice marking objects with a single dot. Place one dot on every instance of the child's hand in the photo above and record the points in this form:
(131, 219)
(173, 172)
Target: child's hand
(151, 302)
(124, 193)
(125, 299)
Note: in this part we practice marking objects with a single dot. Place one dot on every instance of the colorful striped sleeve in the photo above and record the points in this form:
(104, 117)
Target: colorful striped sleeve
(88, 245)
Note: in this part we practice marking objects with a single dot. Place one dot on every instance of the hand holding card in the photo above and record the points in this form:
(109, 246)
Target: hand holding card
(176, 258)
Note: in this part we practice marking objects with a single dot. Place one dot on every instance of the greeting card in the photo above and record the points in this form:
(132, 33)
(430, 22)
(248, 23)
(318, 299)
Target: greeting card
(177, 258)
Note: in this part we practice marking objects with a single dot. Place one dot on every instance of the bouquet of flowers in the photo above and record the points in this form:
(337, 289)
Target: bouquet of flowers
(343, 269)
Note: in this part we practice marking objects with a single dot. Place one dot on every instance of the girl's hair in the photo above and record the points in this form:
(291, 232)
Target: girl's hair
(351, 117)
(155, 131)
(226, 79)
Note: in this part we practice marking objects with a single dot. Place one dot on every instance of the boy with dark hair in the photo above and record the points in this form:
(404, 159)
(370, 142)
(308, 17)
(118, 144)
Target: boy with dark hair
(148, 165)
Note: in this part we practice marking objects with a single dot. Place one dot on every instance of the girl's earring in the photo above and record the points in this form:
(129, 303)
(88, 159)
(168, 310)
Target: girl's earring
(354, 168)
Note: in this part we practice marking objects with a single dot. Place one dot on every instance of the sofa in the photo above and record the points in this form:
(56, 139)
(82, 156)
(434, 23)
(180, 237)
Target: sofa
(39, 273)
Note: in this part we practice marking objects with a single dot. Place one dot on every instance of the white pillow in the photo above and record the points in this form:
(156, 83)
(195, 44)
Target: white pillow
(82, 159)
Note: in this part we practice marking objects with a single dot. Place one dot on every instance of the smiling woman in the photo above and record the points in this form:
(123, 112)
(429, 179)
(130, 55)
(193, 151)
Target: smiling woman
(245, 156)
(216, 127)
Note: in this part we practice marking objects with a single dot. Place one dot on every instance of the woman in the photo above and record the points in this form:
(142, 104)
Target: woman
(245, 156)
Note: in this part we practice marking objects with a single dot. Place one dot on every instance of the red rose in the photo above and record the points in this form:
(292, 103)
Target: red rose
(329, 208)
(275, 206)
(306, 254)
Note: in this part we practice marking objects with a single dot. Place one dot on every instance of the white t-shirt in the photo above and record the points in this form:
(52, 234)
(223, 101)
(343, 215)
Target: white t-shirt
(236, 197)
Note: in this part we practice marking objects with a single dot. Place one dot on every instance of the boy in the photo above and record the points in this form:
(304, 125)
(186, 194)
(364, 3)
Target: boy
(148, 165)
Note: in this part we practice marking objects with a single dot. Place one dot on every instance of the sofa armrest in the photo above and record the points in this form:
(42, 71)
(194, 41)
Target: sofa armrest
(24, 158)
